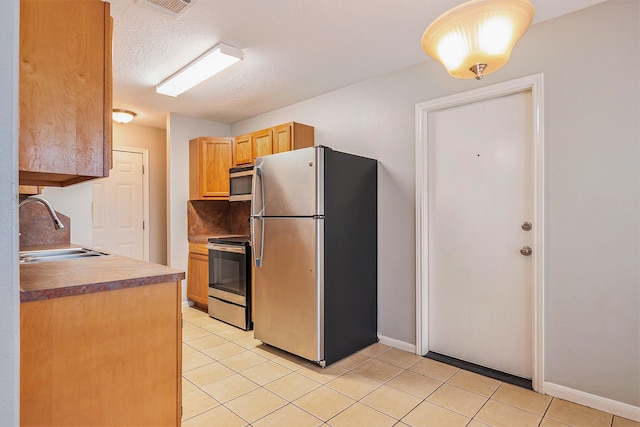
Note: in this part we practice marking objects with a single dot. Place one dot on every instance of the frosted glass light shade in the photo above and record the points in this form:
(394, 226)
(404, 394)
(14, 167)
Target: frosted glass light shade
(123, 116)
(477, 34)
(200, 69)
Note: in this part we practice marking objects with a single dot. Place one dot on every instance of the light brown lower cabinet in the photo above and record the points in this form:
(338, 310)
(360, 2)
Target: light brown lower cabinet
(198, 275)
(109, 358)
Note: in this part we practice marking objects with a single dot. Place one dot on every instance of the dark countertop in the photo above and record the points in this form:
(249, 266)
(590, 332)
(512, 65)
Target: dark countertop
(56, 279)
(199, 238)
(203, 238)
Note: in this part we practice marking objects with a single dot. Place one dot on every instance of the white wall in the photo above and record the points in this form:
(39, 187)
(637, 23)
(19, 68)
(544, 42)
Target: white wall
(180, 129)
(592, 214)
(593, 200)
(75, 202)
(154, 140)
(9, 286)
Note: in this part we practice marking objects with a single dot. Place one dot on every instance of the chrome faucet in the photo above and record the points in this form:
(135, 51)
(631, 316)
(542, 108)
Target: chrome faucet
(56, 222)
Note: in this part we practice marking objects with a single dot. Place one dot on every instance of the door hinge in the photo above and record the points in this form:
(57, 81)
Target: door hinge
(142, 169)
(143, 225)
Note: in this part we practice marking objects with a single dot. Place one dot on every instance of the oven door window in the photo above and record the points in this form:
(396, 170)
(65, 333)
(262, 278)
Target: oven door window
(227, 271)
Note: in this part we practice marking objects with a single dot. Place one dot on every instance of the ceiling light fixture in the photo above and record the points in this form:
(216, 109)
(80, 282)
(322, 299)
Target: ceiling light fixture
(123, 116)
(476, 38)
(200, 69)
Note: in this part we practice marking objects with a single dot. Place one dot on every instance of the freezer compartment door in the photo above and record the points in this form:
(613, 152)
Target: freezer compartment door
(288, 288)
(287, 183)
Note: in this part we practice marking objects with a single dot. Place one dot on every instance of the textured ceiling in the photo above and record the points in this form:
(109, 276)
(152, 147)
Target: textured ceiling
(293, 50)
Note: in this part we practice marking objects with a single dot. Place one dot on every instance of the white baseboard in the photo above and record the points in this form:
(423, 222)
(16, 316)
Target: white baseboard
(401, 345)
(187, 303)
(614, 407)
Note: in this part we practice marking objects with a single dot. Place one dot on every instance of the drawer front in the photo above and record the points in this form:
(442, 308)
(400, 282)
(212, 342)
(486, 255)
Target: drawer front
(230, 313)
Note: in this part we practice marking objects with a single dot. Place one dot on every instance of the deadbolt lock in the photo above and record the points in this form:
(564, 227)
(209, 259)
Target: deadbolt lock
(526, 226)
(526, 251)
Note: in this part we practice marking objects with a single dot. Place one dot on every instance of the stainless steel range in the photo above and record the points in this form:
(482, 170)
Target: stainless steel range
(230, 280)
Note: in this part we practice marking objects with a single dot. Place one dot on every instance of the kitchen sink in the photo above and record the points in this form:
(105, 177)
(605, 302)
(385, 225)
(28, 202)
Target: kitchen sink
(46, 255)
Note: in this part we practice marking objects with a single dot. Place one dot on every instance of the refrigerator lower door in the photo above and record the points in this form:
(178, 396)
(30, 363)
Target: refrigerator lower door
(288, 287)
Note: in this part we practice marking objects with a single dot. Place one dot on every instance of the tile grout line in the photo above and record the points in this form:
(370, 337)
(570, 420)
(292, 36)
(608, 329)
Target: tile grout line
(546, 409)
(347, 370)
(386, 383)
(327, 385)
(295, 368)
(257, 386)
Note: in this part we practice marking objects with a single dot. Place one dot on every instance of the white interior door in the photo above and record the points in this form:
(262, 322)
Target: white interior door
(480, 192)
(118, 207)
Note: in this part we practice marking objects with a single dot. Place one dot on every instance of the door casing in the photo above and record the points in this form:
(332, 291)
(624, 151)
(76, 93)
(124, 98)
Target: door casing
(534, 84)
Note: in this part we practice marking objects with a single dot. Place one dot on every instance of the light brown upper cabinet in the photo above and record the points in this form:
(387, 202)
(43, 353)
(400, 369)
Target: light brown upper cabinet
(292, 136)
(243, 150)
(209, 161)
(285, 137)
(65, 91)
(262, 143)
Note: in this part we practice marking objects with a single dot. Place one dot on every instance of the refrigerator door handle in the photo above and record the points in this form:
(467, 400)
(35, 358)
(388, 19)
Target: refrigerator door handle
(257, 246)
(257, 190)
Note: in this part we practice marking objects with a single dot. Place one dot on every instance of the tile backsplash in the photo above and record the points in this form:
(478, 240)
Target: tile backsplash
(36, 226)
(213, 217)
(239, 215)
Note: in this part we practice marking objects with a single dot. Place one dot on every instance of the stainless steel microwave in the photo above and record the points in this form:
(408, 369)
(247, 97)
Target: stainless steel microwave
(240, 183)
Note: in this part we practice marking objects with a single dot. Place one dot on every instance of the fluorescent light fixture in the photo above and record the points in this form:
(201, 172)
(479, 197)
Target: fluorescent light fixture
(200, 69)
(123, 116)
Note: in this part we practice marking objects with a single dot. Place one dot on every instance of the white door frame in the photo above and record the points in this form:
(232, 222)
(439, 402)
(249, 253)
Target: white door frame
(534, 84)
(145, 194)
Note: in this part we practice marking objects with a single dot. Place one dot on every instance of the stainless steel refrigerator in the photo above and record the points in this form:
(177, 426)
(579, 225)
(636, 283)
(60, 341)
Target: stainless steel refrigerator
(314, 236)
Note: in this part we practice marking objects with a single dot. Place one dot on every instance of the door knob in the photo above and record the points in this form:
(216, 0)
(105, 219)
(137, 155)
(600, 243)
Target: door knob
(526, 226)
(526, 251)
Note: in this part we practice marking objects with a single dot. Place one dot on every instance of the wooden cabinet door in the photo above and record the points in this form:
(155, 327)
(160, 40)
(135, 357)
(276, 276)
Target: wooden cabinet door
(262, 143)
(209, 162)
(282, 138)
(292, 136)
(89, 359)
(198, 278)
(216, 161)
(65, 91)
(243, 150)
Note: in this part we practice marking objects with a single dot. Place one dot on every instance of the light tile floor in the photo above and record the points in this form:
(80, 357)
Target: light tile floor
(230, 379)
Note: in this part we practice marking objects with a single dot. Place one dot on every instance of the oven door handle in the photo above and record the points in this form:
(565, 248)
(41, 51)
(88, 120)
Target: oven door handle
(258, 246)
(240, 174)
(225, 248)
